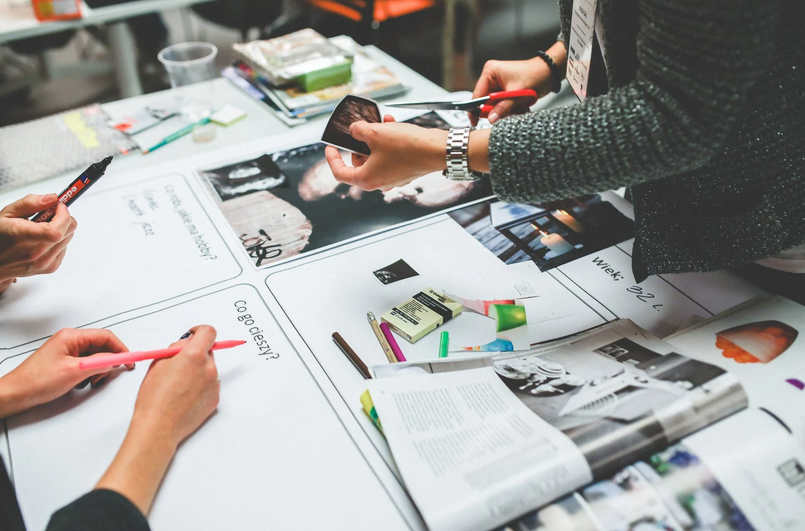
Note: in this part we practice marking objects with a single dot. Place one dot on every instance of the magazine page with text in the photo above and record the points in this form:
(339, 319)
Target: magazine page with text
(481, 446)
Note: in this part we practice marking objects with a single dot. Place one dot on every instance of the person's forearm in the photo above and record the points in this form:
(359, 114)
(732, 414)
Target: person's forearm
(139, 466)
(558, 53)
(15, 397)
(478, 151)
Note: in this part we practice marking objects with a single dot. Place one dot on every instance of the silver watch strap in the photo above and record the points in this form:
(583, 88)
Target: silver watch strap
(458, 141)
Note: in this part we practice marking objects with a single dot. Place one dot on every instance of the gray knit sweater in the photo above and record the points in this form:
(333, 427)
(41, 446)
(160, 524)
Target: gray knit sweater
(704, 119)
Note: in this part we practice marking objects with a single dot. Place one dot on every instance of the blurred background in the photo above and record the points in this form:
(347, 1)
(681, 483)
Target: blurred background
(46, 74)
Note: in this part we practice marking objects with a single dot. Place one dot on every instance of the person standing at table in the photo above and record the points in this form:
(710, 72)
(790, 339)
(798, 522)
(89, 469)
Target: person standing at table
(698, 107)
(176, 397)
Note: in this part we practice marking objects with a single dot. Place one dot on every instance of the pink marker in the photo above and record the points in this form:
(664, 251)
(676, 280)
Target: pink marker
(395, 348)
(102, 361)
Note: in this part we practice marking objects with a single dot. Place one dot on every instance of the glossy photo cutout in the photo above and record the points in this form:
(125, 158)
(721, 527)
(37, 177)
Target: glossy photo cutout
(759, 342)
(350, 110)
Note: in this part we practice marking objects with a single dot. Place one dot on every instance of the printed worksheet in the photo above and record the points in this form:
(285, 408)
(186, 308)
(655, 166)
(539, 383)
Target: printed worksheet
(273, 456)
(136, 245)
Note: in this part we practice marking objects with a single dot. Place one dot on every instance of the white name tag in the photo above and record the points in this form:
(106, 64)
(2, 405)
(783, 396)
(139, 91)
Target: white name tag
(580, 46)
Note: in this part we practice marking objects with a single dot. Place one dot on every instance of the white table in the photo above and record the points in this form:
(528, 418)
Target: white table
(259, 122)
(18, 22)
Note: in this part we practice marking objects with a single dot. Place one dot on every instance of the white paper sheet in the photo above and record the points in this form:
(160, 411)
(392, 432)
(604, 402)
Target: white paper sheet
(472, 454)
(274, 455)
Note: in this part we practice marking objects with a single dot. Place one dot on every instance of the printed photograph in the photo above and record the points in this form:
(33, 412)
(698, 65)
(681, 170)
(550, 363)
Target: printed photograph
(286, 203)
(350, 110)
(551, 234)
(621, 392)
(692, 494)
(399, 270)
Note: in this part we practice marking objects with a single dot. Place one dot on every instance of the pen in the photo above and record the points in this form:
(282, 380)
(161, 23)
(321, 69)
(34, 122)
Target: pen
(356, 361)
(178, 134)
(76, 188)
(380, 338)
(99, 361)
(392, 342)
(444, 340)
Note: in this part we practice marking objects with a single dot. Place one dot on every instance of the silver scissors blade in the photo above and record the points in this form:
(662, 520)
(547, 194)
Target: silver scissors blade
(440, 105)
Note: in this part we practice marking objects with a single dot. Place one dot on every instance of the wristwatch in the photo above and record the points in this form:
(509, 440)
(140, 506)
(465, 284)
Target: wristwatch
(458, 141)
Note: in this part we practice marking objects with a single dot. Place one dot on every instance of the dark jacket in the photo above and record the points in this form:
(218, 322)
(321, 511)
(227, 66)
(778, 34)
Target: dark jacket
(703, 118)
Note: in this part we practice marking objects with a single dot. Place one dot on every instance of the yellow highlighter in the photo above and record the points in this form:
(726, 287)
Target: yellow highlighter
(369, 409)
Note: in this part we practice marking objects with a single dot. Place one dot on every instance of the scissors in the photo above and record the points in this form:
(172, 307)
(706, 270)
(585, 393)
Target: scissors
(481, 106)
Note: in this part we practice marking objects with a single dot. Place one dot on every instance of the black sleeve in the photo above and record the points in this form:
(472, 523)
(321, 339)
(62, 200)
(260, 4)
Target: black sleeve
(10, 516)
(100, 510)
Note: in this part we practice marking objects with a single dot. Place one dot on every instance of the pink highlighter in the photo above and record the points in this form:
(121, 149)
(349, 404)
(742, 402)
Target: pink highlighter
(102, 361)
(395, 348)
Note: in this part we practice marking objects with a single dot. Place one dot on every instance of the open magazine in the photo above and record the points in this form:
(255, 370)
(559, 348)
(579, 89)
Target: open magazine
(481, 442)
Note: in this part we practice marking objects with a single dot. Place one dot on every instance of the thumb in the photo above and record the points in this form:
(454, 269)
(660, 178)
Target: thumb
(360, 130)
(502, 109)
(29, 205)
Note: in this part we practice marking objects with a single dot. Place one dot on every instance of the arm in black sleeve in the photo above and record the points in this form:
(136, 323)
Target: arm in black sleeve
(697, 62)
(100, 510)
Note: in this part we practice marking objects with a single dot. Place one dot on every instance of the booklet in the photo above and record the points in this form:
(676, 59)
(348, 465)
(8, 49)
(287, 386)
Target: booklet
(479, 447)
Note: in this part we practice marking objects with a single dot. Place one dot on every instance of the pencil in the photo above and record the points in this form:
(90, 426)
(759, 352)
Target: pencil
(178, 134)
(356, 361)
(381, 338)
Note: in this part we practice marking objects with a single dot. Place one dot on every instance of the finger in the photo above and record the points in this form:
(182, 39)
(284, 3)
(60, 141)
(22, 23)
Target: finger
(201, 341)
(61, 221)
(94, 340)
(29, 205)
(500, 110)
(360, 131)
(129, 366)
(341, 171)
(51, 260)
(473, 118)
(387, 119)
(358, 160)
(97, 380)
(487, 83)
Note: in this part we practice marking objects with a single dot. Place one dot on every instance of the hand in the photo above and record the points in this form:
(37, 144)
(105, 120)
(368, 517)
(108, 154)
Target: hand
(53, 369)
(176, 397)
(511, 75)
(400, 153)
(179, 393)
(28, 248)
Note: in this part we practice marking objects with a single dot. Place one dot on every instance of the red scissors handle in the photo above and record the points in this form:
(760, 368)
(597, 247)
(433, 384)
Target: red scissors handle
(521, 98)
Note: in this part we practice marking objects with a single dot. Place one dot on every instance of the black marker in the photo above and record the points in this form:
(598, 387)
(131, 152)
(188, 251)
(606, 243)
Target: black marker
(76, 188)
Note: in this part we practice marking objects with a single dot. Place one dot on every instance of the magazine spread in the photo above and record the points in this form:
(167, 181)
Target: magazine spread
(762, 345)
(745, 472)
(545, 422)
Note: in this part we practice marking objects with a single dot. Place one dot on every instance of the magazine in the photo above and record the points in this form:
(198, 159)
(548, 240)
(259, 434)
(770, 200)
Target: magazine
(369, 79)
(704, 482)
(479, 447)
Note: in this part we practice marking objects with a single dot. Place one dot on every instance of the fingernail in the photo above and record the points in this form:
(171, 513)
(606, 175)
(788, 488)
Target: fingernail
(186, 335)
(48, 198)
(493, 117)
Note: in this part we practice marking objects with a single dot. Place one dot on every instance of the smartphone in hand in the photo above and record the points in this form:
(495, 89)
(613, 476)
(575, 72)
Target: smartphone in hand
(349, 110)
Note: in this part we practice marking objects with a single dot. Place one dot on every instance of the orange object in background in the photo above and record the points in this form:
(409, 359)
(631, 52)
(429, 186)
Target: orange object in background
(57, 9)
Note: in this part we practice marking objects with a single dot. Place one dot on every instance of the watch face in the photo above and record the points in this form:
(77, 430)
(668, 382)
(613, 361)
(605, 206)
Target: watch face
(351, 109)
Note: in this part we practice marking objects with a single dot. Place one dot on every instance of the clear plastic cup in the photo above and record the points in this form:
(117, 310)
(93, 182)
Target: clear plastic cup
(188, 63)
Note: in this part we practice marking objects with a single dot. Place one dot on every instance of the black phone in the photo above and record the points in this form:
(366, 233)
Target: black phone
(349, 110)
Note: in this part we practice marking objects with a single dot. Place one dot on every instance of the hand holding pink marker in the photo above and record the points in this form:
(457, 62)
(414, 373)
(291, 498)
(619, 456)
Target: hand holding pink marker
(100, 361)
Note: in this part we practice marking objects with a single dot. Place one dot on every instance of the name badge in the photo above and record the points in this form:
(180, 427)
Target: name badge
(580, 46)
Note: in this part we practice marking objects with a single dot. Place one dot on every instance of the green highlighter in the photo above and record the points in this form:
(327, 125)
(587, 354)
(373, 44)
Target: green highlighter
(444, 341)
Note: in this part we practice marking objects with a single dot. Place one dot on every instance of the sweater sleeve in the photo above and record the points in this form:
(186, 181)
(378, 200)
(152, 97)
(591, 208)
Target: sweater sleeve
(99, 510)
(697, 61)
